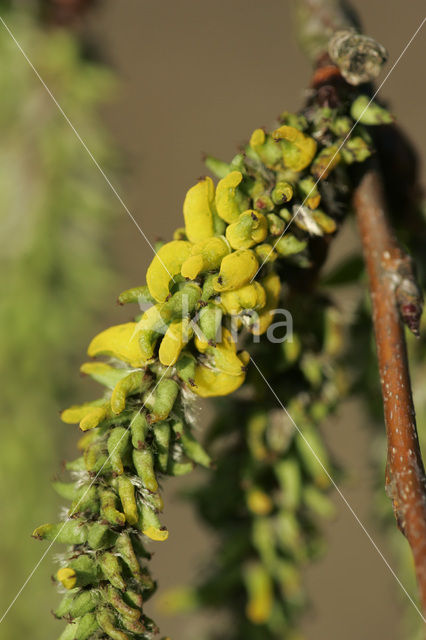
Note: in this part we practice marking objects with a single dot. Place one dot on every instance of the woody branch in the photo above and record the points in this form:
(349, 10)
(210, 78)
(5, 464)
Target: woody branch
(330, 37)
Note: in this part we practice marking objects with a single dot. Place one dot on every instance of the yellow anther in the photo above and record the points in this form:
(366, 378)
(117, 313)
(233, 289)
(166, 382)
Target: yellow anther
(249, 229)
(158, 535)
(166, 264)
(257, 138)
(259, 502)
(176, 337)
(198, 210)
(251, 296)
(205, 256)
(298, 149)
(226, 203)
(236, 270)
(210, 383)
(67, 577)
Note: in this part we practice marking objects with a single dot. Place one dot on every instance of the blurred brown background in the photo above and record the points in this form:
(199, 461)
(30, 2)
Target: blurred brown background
(200, 76)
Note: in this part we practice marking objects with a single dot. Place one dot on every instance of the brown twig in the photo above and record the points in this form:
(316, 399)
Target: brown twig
(396, 298)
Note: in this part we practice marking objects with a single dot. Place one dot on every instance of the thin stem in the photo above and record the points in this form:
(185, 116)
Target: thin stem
(391, 277)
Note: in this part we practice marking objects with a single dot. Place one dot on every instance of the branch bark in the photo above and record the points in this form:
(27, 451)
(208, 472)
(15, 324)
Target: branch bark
(395, 298)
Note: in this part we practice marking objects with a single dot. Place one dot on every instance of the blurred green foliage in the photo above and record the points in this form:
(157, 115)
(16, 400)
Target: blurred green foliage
(55, 215)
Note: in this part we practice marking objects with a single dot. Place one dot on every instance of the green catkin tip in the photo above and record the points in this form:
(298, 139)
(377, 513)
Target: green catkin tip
(134, 626)
(143, 460)
(86, 500)
(109, 509)
(67, 490)
(135, 382)
(289, 245)
(84, 603)
(76, 465)
(289, 478)
(124, 547)
(126, 491)
(133, 599)
(65, 604)
(208, 287)
(276, 224)
(179, 468)
(370, 113)
(185, 367)
(114, 598)
(210, 320)
(150, 525)
(96, 459)
(282, 193)
(117, 445)
(318, 502)
(100, 536)
(103, 373)
(107, 622)
(191, 446)
(69, 632)
(355, 150)
(160, 402)
(219, 168)
(162, 437)
(111, 569)
(316, 465)
(139, 428)
(69, 532)
(139, 295)
(87, 626)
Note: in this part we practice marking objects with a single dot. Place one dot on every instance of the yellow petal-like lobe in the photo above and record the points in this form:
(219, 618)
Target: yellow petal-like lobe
(259, 502)
(236, 270)
(206, 255)
(166, 264)
(156, 534)
(74, 414)
(121, 342)
(257, 138)
(226, 203)
(211, 383)
(298, 149)
(249, 229)
(198, 212)
(177, 336)
(93, 418)
(261, 594)
(67, 577)
(251, 296)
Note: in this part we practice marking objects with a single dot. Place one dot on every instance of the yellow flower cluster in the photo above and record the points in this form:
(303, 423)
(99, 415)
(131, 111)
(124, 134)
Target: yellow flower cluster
(220, 264)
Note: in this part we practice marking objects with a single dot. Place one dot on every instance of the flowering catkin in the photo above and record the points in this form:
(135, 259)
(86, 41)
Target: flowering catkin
(216, 282)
